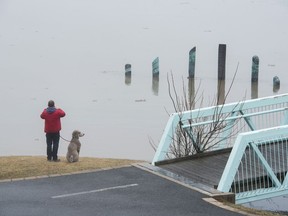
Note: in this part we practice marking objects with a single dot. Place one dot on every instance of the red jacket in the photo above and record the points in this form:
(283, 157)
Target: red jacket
(52, 119)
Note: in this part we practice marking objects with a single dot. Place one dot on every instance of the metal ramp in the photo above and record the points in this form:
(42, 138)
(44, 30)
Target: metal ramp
(257, 166)
(256, 169)
(205, 168)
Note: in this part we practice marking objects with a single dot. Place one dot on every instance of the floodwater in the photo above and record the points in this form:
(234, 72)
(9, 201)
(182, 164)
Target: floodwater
(74, 52)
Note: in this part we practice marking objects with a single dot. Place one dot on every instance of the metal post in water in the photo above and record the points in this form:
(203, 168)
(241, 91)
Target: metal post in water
(192, 60)
(128, 69)
(128, 72)
(155, 67)
(221, 61)
(276, 84)
(255, 68)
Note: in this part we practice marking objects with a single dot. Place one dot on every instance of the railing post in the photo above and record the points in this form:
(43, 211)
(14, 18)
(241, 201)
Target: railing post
(166, 138)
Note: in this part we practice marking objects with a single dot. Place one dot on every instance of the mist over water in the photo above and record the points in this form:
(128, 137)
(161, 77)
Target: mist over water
(74, 52)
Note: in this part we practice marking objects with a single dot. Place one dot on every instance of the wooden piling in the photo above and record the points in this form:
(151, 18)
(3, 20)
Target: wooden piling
(128, 72)
(155, 67)
(221, 61)
(192, 60)
(255, 69)
(276, 84)
(128, 69)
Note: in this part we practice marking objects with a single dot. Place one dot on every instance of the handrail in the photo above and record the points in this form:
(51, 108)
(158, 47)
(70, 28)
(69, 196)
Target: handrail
(236, 117)
(229, 109)
(257, 165)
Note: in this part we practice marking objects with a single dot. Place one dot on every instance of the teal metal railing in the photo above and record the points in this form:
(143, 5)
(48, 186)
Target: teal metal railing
(257, 166)
(217, 127)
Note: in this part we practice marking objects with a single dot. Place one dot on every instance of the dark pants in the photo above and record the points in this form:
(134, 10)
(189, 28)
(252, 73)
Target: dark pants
(52, 140)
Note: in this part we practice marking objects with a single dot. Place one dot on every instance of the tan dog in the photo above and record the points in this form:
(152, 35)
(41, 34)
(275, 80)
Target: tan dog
(74, 147)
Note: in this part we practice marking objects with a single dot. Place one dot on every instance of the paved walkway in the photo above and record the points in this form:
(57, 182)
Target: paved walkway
(128, 191)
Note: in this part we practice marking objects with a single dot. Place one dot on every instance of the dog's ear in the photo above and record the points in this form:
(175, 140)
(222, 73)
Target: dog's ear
(75, 134)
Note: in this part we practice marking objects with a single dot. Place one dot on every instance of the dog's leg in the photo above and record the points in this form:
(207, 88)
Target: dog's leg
(71, 159)
(76, 159)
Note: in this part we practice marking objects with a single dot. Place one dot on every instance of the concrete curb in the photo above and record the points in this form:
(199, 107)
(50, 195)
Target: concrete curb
(215, 197)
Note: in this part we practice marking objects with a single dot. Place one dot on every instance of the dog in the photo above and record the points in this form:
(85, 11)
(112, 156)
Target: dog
(74, 147)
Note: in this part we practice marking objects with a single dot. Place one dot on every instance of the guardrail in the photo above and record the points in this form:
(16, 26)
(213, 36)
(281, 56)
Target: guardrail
(257, 166)
(229, 120)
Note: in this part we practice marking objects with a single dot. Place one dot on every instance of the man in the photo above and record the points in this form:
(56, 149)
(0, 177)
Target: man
(52, 128)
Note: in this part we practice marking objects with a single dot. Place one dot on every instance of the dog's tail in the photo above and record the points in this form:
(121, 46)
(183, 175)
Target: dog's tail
(71, 159)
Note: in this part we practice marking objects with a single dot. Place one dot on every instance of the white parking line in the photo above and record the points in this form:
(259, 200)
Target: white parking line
(94, 191)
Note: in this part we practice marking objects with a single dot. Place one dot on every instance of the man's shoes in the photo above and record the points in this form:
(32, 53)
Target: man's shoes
(49, 160)
(58, 160)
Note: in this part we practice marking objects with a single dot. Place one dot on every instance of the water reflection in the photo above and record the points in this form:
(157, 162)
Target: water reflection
(128, 78)
(191, 90)
(254, 90)
(276, 88)
(221, 92)
(155, 84)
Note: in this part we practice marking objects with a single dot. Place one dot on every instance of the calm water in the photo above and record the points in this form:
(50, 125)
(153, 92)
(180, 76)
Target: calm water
(74, 52)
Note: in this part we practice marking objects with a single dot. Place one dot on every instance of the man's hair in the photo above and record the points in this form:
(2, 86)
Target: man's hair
(51, 103)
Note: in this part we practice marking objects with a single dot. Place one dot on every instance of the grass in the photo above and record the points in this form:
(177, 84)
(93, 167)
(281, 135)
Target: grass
(14, 167)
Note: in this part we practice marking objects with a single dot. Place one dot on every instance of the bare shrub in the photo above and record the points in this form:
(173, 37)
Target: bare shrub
(196, 137)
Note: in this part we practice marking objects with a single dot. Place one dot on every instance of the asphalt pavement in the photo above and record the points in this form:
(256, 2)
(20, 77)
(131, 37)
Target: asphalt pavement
(127, 191)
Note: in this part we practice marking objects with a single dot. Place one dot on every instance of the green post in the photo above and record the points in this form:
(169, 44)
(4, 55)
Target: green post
(128, 69)
(255, 68)
(128, 74)
(221, 61)
(155, 67)
(276, 84)
(192, 60)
